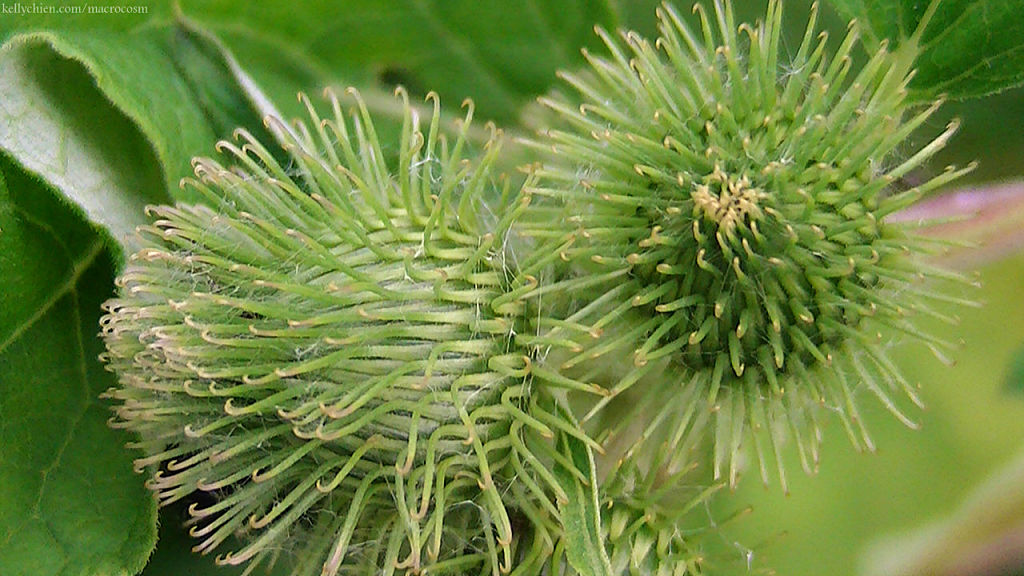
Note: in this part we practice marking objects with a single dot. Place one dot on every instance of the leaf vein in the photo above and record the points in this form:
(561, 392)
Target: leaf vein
(77, 269)
(954, 25)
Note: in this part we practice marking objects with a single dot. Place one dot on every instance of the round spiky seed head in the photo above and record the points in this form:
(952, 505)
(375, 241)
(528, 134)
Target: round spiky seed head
(326, 348)
(735, 206)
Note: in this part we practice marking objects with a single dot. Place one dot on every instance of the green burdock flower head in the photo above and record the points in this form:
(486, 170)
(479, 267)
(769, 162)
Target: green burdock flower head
(327, 348)
(734, 206)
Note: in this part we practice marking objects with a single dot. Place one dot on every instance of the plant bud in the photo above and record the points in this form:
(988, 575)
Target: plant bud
(327, 348)
(734, 207)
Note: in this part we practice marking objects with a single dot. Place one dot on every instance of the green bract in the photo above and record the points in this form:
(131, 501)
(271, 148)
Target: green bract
(730, 208)
(328, 348)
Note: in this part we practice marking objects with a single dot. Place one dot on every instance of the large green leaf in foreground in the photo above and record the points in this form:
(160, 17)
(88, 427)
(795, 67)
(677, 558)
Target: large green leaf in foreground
(969, 47)
(70, 503)
(112, 122)
(54, 122)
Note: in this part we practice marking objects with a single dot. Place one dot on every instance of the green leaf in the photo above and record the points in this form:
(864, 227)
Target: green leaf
(70, 502)
(90, 113)
(969, 48)
(501, 54)
(54, 123)
(581, 513)
(45, 15)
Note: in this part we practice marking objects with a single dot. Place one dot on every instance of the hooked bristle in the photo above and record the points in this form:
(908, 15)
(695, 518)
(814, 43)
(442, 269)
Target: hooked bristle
(327, 348)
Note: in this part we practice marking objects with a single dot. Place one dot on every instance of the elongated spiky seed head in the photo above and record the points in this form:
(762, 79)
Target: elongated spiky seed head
(326, 348)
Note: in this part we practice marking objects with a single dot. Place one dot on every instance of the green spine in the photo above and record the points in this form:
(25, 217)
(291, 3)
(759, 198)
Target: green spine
(731, 224)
